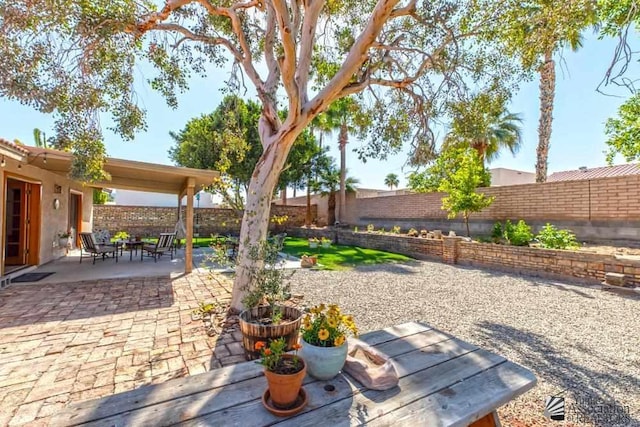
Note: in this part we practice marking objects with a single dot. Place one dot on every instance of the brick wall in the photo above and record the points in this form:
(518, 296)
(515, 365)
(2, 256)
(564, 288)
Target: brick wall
(577, 266)
(150, 221)
(599, 209)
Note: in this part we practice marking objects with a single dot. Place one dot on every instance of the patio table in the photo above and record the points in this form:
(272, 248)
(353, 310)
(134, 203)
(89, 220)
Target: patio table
(444, 381)
(133, 245)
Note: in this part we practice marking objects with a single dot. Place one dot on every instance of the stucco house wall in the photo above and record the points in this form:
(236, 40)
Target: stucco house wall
(52, 221)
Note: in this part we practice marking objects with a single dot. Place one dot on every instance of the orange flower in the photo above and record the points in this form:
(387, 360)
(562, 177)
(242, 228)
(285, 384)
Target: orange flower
(260, 345)
(296, 346)
(339, 341)
(267, 352)
(323, 334)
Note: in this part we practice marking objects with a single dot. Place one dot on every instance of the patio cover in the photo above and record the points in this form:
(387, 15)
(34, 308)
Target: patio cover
(134, 175)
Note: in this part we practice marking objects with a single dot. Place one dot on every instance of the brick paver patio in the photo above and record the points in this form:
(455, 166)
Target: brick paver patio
(65, 343)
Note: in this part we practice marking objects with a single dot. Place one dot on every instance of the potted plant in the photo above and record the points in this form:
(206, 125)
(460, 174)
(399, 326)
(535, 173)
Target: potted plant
(267, 317)
(284, 373)
(325, 242)
(63, 238)
(324, 346)
(313, 242)
(308, 261)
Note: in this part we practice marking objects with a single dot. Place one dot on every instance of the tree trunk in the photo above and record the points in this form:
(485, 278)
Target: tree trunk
(283, 195)
(466, 221)
(255, 221)
(307, 218)
(547, 93)
(344, 138)
(331, 208)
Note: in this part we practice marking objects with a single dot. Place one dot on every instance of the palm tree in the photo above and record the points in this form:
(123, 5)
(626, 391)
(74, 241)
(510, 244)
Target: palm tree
(484, 124)
(391, 181)
(536, 31)
(328, 185)
(341, 116)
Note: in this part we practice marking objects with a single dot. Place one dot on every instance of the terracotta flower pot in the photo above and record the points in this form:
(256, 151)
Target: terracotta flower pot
(285, 388)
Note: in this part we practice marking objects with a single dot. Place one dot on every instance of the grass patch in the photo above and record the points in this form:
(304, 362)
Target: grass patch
(339, 257)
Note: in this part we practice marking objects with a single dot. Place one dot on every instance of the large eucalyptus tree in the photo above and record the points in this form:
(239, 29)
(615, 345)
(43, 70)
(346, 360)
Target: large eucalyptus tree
(401, 60)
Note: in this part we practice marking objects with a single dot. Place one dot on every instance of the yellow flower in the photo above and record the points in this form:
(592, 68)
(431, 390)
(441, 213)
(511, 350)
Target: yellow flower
(321, 308)
(332, 322)
(339, 341)
(323, 334)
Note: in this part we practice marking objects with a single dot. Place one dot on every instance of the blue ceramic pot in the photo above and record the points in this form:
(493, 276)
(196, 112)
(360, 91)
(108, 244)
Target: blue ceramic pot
(323, 363)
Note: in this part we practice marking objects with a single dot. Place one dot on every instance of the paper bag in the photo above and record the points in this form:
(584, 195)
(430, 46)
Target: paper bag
(371, 368)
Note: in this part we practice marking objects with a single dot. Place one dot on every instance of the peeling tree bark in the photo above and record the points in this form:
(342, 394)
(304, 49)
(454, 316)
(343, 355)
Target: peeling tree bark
(255, 221)
(547, 94)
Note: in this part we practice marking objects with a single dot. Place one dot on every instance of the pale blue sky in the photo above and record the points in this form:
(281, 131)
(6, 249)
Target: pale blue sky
(577, 138)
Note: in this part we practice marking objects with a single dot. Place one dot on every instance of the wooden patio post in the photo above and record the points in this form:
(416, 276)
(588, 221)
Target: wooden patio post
(188, 248)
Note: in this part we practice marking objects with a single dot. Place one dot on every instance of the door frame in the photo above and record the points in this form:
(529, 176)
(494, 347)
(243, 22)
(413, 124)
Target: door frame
(33, 237)
(78, 224)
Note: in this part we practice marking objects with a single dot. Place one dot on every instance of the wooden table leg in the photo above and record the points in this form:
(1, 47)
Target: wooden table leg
(489, 420)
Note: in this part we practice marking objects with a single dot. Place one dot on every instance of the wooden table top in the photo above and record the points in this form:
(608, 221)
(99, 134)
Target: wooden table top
(443, 382)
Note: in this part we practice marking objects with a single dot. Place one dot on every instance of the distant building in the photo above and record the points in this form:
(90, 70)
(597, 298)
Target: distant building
(362, 193)
(503, 176)
(593, 173)
(143, 198)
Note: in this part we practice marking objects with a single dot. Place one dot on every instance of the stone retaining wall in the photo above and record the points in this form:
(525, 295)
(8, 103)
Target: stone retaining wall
(578, 266)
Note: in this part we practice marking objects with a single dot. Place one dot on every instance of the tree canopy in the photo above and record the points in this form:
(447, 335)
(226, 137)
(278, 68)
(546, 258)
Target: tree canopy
(227, 140)
(460, 186)
(624, 131)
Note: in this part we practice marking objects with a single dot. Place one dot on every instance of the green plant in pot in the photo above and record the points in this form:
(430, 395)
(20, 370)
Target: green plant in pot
(267, 317)
(284, 373)
(324, 346)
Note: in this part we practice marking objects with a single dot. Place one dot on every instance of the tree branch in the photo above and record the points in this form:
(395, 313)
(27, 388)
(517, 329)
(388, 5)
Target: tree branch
(288, 61)
(195, 37)
(354, 60)
(309, 26)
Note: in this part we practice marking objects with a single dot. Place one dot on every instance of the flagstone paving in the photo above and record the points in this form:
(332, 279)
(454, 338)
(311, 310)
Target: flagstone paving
(65, 343)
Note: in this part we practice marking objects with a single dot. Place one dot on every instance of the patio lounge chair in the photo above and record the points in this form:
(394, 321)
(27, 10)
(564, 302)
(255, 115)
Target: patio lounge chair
(90, 247)
(164, 244)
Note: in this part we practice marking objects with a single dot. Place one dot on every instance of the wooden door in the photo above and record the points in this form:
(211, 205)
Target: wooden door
(75, 217)
(16, 223)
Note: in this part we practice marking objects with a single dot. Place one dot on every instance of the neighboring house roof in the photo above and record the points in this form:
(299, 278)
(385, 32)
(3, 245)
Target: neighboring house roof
(593, 173)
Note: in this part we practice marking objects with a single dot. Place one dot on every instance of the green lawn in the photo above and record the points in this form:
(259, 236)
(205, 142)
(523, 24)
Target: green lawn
(338, 257)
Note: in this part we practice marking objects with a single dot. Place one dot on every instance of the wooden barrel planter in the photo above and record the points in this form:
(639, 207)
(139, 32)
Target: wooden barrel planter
(252, 332)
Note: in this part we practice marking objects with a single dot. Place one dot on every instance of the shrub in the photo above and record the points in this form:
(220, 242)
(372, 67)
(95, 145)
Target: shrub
(412, 232)
(552, 238)
(355, 229)
(370, 228)
(423, 233)
(520, 234)
(395, 229)
(381, 231)
(497, 231)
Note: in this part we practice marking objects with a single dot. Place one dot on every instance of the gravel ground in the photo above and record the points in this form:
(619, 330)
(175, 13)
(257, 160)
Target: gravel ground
(579, 339)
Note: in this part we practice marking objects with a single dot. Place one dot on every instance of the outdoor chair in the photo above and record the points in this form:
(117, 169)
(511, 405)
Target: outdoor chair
(90, 247)
(164, 244)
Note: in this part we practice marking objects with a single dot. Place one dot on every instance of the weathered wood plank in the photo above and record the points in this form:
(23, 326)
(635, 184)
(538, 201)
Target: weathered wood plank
(144, 396)
(464, 402)
(363, 407)
(407, 364)
(394, 332)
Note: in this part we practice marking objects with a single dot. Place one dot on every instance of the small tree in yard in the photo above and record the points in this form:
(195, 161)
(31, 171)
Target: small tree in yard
(461, 187)
(402, 61)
